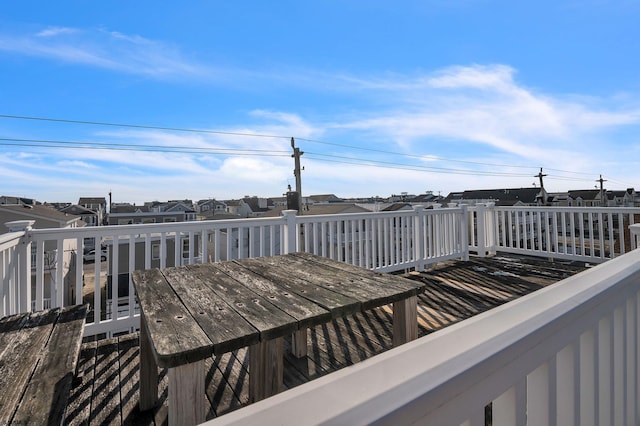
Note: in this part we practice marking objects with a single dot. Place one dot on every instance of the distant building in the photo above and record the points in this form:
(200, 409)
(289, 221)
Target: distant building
(500, 197)
(127, 214)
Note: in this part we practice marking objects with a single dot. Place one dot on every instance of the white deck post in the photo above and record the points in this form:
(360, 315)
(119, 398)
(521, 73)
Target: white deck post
(23, 282)
(290, 245)
(464, 232)
(418, 237)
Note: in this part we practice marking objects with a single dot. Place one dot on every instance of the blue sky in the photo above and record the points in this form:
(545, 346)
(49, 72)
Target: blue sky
(382, 97)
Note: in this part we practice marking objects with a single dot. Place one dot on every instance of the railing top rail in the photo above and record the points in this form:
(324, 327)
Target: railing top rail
(573, 209)
(97, 231)
(10, 239)
(367, 215)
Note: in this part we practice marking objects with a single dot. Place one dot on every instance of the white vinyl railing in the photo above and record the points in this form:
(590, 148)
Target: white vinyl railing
(389, 241)
(567, 354)
(386, 242)
(590, 234)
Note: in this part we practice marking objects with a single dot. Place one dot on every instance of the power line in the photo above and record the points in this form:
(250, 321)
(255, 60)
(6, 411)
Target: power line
(138, 126)
(141, 148)
(124, 147)
(191, 130)
(419, 167)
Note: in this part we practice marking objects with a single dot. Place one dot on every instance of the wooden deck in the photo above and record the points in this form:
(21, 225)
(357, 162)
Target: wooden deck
(108, 390)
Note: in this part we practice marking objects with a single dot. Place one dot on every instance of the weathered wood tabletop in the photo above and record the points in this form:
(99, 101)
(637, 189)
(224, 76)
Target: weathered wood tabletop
(38, 356)
(192, 312)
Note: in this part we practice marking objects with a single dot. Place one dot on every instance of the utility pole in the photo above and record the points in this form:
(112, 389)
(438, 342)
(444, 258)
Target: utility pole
(296, 172)
(602, 181)
(542, 192)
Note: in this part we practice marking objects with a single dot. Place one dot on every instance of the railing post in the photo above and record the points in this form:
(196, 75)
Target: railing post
(490, 233)
(480, 230)
(464, 231)
(290, 234)
(418, 237)
(23, 279)
(634, 231)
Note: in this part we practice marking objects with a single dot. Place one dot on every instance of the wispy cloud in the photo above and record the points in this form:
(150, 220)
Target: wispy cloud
(112, 50)
(483, 106)
(56, 31)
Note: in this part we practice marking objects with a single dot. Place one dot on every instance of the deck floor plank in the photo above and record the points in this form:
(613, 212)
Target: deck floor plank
(108, 390)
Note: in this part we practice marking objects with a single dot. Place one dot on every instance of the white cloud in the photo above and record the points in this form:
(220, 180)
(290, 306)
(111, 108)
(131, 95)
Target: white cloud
(104, 49)
(55, 31)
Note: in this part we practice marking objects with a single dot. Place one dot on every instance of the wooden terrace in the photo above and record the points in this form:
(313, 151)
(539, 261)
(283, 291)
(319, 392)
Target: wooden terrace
(108, 388)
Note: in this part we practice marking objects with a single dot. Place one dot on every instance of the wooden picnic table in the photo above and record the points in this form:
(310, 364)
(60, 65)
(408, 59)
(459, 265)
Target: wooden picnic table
(192, 312)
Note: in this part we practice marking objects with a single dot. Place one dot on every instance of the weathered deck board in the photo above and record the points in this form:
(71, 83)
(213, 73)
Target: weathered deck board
(108, 391)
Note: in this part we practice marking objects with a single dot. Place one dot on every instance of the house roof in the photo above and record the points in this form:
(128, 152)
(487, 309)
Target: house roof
(397, 206)
(40, 212)
(7, 199)
(325, 198)
(318, 209)
(128, 208)
(92, 200)
(254, 203)
(77, 210)
(585, 194)
(179, 207)
(506, 196)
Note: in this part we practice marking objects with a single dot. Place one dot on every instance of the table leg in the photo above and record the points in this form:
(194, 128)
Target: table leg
(148, 370)
(265, 368)
(186, 394)
(405, 320)
(299, 343)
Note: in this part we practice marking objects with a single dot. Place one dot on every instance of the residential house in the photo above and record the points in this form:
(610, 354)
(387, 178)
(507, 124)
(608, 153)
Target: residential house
(500, 197)
(258, 205)
(44, 217)
(239, 208)
(208, 209)
(98, 205)
(324, 199)
(397, 207)
(587, 198)
(626, 198)
(127, 214)
(88, 216)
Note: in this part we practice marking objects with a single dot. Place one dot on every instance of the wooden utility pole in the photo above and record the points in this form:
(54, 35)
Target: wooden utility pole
(296, 172)
(602, 197)
(542, 192)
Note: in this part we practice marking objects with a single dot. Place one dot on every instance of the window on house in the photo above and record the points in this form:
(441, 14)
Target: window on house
(185, 248)
(155, 251)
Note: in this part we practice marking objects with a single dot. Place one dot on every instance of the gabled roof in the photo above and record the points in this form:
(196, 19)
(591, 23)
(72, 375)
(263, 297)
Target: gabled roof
(6, 199)
(397, 206)
(179, 207)
(40, 212)
(234, 203)
(425, 198)
(77, 210)
(325, 198)
(92, 200)
(585, 194)
(318, 209)
(129, 209)
(507, 196)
